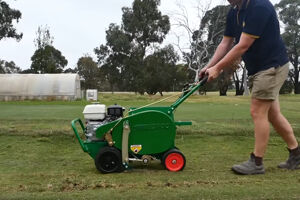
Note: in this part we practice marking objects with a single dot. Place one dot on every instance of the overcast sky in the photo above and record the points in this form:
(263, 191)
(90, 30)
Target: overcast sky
(78, 26)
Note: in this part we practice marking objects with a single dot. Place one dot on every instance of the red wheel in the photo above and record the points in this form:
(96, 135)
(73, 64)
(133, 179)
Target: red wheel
(174, 160)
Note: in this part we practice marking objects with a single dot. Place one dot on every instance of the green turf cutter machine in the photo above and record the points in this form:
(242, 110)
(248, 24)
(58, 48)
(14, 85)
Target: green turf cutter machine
(145, 134)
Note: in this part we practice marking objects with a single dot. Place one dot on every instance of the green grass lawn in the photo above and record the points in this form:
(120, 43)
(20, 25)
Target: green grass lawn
(41, 159)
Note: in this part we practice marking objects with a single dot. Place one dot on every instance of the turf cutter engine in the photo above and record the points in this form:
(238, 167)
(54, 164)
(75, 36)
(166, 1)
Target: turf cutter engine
(147, 133)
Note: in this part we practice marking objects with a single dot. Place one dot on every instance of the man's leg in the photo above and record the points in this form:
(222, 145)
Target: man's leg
(284, 129)
(282, 126)
(259, 112)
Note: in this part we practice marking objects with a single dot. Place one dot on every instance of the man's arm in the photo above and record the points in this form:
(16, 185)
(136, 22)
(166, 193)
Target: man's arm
(222, 49)
(235, 53)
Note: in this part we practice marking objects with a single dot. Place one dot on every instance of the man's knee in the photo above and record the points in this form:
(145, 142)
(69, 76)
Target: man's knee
(255, 113)
(260, 109)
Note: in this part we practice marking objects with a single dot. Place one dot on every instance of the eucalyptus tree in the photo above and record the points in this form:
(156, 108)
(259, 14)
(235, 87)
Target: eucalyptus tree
(143, 26)
(88, 69)
(7, 18)
(289, 14)
(46, 58)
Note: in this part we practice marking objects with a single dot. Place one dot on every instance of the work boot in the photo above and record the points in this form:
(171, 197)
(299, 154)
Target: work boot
(249, 167)
(293, 160)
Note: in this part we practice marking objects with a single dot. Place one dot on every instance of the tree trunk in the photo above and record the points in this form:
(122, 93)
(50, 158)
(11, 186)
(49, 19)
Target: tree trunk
(245, 89)
(240, 84)
(112, 88)
(296, 75)
(239, 89)
(223, 90)
(297, 88)
(223, 83)
(297, 84)
(239, 92)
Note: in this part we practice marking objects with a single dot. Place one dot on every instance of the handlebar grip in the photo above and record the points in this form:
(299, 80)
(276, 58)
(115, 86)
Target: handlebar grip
(203, 80)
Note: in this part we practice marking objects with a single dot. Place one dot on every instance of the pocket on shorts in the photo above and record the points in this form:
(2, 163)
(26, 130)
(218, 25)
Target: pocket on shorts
(264, 83)
(282, 74)
(266, 77)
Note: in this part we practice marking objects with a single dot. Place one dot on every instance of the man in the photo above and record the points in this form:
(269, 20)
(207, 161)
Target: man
(253, 27)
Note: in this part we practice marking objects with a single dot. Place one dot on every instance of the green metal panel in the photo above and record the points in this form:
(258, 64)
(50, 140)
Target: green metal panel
(100, 132)
(166, 110)
(153, 130)
(94, 147)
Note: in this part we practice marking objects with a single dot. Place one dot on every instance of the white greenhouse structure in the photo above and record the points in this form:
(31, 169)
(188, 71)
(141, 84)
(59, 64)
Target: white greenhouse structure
(39, 86)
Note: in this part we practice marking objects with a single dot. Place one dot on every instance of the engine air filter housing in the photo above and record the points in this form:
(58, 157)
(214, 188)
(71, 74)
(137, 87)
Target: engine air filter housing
(115, 111)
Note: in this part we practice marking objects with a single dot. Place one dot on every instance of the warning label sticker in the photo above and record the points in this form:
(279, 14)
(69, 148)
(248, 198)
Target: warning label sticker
(136, 148)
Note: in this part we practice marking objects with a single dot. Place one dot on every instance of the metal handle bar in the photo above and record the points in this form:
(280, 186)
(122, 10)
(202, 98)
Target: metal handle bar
(189, 92)
(73, 123)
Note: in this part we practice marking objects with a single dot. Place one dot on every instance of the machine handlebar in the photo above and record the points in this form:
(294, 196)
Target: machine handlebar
(189, 91)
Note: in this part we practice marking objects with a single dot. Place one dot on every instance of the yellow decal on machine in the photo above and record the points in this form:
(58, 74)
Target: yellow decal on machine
(136, 148)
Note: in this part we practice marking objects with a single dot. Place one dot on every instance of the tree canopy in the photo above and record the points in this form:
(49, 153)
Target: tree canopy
(123, 56)
(8, 67)
(46, 59)
(144, 23)
(88, 69)
(289, 14)
(160, 70)
(7, 17)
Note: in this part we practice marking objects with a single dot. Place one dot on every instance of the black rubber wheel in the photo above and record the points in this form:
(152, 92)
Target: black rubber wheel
(109, 160)
(173, 160)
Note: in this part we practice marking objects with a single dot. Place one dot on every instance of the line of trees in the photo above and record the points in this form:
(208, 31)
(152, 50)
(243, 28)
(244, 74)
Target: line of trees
(133, 58)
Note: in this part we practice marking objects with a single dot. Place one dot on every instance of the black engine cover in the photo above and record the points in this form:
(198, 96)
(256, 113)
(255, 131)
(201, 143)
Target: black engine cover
(115, 111)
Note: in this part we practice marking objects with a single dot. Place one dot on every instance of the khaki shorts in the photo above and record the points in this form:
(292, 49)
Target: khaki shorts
(266, 84)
